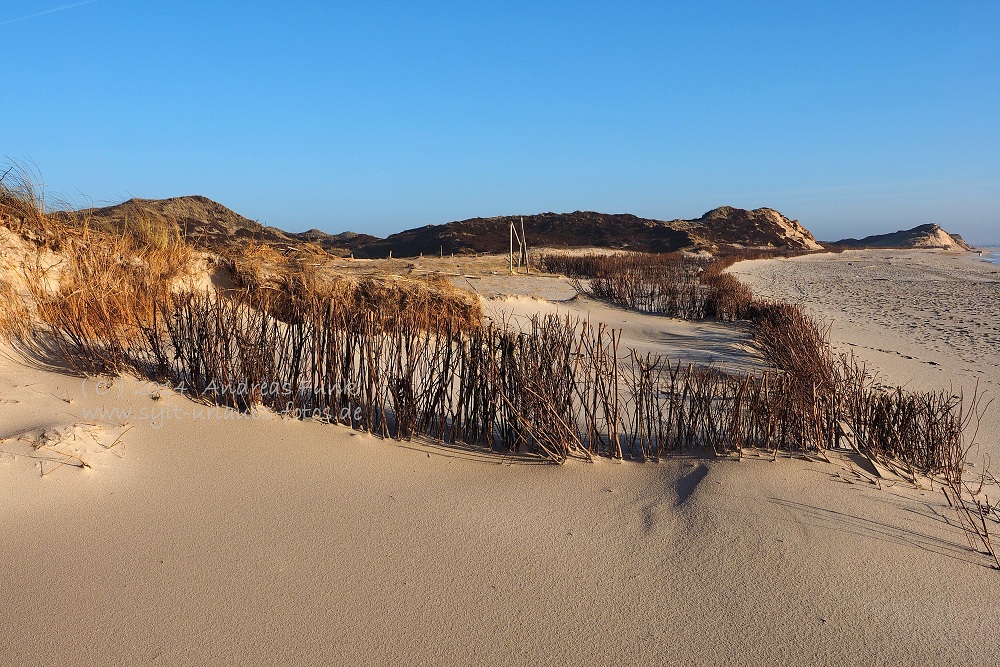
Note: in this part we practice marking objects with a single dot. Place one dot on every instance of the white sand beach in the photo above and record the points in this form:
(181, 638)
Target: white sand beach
(198, 538)
(923, 318)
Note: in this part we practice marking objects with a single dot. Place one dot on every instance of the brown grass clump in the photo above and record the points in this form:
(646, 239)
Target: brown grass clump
(22, 209)
(95, 301)
(147, 229)
(255, 264)
(287, 287)
(14, 314)
(416, 301)
(107, 293)
(103, 286)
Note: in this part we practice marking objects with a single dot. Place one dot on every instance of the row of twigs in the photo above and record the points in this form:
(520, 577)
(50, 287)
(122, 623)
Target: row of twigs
(689, 287)
(837, 400)
(408, 359)
(554, 387)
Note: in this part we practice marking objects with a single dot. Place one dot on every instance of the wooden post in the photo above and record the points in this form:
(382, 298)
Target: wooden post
(519, 244)
(512, 247)
(524, 247)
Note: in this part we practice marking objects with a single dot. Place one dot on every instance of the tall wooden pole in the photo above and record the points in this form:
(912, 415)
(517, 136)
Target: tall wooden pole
(511, 247)
(524, 247)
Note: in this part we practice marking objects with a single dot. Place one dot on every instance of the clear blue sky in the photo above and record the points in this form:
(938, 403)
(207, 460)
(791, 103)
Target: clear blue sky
(377, 116)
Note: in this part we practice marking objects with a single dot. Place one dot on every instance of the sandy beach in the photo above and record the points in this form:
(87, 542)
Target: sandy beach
(199, 537)
(923, 319)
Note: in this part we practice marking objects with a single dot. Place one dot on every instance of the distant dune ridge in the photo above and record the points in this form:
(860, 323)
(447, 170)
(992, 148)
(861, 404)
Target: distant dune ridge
(209, 224)
(213, 226)
(200, 219)
(923, 236)
(724, 226)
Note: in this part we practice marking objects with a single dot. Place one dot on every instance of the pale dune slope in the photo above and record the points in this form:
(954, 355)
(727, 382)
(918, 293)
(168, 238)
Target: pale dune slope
(217, 541)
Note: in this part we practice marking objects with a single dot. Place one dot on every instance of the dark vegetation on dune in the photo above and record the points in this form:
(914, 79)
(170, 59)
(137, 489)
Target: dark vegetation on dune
(406, 358)
(209, 225)
(720, 228)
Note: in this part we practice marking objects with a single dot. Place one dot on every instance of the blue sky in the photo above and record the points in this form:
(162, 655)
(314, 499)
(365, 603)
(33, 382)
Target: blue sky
(854, 118)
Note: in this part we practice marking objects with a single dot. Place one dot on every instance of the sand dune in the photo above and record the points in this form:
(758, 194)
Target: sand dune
(207, 538)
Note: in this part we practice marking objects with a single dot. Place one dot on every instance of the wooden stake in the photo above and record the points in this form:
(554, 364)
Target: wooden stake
(520, 245)
(524, 247)
(511, 248)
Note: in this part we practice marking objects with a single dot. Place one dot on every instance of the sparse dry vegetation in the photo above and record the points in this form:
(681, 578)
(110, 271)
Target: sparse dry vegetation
(284, 286)
(557, 388)
(815, 400)
(93, 302)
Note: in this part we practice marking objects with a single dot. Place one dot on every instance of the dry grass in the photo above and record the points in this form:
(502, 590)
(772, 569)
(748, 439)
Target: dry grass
(93, 305)
(22, 209)
(145, 228)
(421, 361)
(107, 293)
(284, 287)
(401, 356)
(14, 314)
